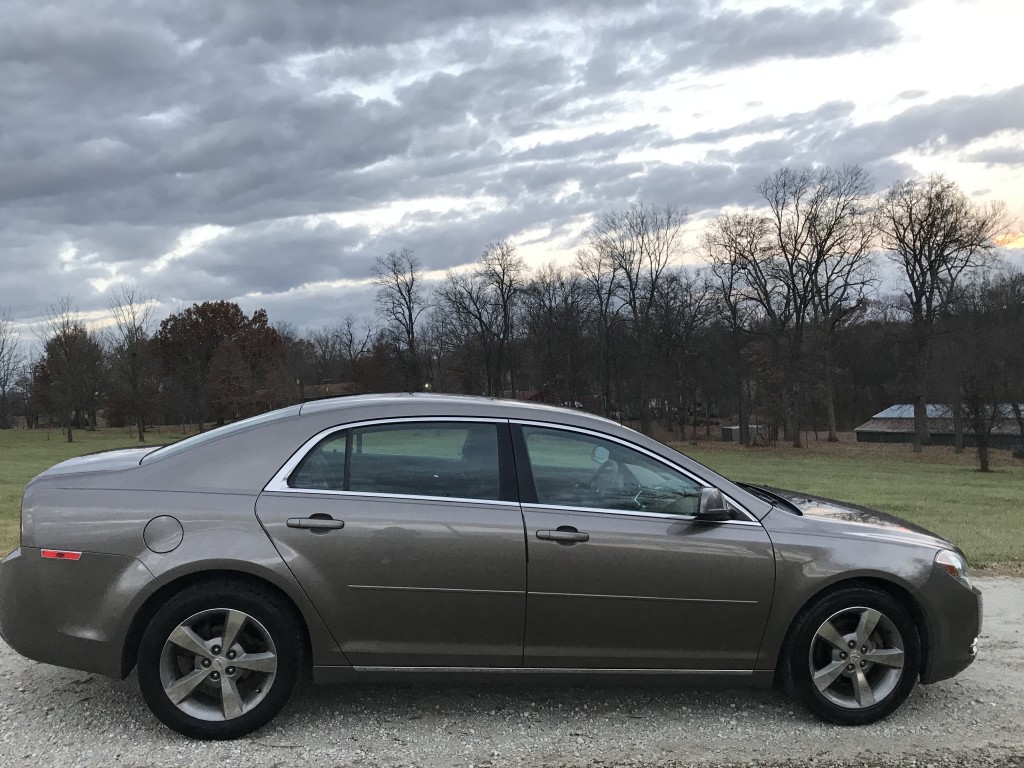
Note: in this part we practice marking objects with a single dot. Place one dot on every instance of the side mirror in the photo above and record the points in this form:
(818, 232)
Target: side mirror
(712, 506)
(600, 454)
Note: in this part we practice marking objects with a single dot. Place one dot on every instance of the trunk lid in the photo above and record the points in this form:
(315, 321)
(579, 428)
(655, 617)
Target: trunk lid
(104, 461)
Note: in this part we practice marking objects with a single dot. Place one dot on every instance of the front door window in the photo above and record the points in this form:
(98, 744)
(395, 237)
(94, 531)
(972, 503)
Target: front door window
(574, 469)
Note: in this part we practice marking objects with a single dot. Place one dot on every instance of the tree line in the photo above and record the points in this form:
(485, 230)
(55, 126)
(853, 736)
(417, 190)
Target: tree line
(808, 314)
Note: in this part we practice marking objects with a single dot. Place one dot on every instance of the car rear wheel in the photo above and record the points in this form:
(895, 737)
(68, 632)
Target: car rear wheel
(853, 655)
(220, 661)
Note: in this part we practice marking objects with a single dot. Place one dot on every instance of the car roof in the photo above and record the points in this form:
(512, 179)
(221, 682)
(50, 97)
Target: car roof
(454, 404)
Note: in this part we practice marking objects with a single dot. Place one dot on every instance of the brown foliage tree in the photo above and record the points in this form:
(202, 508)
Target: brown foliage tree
(188, 343)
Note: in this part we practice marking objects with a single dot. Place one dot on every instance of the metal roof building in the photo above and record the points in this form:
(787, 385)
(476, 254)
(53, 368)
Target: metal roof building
(896, 425)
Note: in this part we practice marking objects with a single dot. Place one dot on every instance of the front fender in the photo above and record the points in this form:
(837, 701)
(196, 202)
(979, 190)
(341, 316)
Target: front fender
(807, 564)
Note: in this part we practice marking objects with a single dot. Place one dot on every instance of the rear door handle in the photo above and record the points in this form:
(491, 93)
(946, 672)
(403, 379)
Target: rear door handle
(316, 523)
(564, 535)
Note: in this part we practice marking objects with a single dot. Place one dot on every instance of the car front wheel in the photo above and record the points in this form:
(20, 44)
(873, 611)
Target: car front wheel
(220, 661)
(853, 655)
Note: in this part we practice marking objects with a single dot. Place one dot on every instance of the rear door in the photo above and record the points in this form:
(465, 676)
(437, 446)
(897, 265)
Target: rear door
(408, 538)
(621, 576)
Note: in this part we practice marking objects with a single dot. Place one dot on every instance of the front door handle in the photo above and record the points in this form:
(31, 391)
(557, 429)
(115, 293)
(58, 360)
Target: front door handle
(316, 523)
(565, 534)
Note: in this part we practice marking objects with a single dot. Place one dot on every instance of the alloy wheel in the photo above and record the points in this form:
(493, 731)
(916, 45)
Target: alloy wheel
(218, 664)
(856, 658)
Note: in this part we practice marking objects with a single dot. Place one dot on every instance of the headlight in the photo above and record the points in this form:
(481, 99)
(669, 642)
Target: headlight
(955, 565)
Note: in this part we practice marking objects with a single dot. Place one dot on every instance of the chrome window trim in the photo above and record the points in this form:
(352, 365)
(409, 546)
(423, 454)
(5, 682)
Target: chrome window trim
(752, 520)
(279, 482)
(641, 513)
(396, 496)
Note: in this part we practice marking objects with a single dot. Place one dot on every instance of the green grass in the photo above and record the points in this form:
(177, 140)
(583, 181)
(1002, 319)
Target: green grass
(982, 513)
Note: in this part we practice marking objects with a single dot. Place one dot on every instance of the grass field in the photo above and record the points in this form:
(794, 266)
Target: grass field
(982, 513)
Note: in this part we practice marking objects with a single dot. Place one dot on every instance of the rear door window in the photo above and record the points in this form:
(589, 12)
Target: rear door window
(443, 459)
(323, 468)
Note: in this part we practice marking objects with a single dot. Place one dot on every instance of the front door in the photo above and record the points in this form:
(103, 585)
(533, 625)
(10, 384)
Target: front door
(409, 541)
(620, 574)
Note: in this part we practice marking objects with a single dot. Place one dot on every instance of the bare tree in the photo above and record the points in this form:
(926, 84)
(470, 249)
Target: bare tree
(1008, 300)
(469, 319)
(841, 240)
(130, 354)
(936, 236)
(325, 353)
(441, 347)
(555, 313)
(794, 198)
(736, 247)
(597, 269)
(640, 243)
(353, 343)
(11, 365)
(806, 263)
(482, 307)
(504, 273)
(27, 393)
(400, 301)
(771, 295)
(298, 358)
(683, 308)
(986, 319)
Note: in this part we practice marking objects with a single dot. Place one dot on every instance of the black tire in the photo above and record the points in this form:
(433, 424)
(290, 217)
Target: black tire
(845, 700)
(271, 629)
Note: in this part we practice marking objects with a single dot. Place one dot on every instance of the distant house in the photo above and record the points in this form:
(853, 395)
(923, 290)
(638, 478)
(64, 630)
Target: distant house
(896, 425)
(732, 434)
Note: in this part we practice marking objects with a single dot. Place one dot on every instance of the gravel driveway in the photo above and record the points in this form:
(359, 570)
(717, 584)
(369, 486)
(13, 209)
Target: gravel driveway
(51, 716)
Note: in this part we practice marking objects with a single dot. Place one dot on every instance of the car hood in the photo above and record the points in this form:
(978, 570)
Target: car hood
(836, 516)
(104, 461)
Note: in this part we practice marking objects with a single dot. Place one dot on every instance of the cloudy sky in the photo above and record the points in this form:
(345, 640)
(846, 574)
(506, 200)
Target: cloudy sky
(267, 152)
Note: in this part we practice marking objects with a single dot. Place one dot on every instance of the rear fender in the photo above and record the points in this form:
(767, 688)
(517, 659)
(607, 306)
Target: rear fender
(248, 552)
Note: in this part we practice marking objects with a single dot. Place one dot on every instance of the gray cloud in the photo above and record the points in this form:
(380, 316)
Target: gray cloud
(828, 112)
(998, 156)
(690, 39)
(828, 134)
(127, 128)
(252, 259)
(946, 124)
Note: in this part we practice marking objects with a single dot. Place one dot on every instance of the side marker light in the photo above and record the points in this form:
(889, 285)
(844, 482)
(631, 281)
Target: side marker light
(61, 554)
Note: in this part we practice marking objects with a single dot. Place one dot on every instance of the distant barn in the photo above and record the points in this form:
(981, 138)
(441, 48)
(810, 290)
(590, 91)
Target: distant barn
(896, 425)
